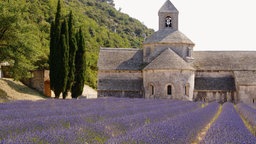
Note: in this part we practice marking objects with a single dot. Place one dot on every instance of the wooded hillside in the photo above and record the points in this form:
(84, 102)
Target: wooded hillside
(25, 30)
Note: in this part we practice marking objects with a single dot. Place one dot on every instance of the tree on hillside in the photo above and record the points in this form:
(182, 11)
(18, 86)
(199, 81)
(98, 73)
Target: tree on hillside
(77, 88)
(72, 55)
(19, 43)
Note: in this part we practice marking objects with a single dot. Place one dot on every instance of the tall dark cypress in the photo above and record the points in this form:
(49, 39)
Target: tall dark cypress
(54, 50)
(72, 53)
(77, 88)
(63, 67)
(52, 54)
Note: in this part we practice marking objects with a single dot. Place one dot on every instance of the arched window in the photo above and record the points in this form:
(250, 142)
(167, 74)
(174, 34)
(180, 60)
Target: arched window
(152, 89)
(252, 100)
(168, 21)
(169, 90)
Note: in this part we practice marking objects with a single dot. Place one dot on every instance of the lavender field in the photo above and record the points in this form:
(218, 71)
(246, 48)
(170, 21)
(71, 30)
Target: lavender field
(120, 120)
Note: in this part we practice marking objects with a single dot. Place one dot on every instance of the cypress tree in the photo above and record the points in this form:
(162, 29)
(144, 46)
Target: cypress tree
(72, 53)
(77, 88)
(63, 67)
(52, 54)
(54, 60)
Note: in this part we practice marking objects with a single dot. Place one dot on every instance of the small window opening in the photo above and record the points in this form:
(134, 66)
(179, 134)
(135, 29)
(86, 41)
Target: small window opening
(169, 90)
(152, 89)
(252, 100)
(168, 21)
(147, 51)
(189, 52)
(187, 87)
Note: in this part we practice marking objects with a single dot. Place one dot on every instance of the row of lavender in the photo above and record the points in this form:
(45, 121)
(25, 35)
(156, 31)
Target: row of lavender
(228, 128)
(80, 121)
(249, 114)
(180, 129)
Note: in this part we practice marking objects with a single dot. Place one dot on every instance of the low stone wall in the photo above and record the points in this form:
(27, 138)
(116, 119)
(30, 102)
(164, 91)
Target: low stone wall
(247, 94)
(218, 96)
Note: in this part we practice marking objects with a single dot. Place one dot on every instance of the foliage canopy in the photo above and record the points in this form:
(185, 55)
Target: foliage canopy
(25, 43)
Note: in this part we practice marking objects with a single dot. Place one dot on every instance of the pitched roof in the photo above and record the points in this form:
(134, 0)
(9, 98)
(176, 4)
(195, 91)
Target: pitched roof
(224, 60)
(168, 59)
(120, 84)
(245, 77)
(168, 36)
(215, 84)
(120, 59)
(168, 7)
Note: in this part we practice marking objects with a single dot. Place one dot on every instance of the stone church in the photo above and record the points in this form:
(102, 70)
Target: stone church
(167, 67)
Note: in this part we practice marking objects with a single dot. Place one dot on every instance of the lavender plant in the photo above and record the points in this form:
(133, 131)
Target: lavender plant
(248, 113)
(181, 129)
(228, 128)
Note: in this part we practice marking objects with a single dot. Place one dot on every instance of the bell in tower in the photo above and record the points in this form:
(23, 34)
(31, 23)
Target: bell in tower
(168, 16)
(168, 36)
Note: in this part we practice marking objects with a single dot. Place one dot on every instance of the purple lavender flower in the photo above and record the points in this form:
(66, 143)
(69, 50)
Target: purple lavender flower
(228, 128)
(181, 129)
(248, 113)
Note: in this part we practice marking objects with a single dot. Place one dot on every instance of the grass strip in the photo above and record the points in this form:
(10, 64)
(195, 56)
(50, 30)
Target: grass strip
(203, 132)
(246, 123)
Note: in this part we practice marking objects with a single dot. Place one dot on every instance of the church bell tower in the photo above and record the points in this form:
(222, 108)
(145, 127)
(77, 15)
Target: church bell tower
(168, 36)
(168, 16)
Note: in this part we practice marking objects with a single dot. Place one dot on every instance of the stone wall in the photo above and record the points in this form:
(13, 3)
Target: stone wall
(215, 86)
(247, 94)
(161, 79)
(218, 96)
(40, 81)
(120, 84)
(175, 20)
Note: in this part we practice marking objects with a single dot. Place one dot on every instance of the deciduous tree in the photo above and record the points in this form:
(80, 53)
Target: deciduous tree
(19, 44)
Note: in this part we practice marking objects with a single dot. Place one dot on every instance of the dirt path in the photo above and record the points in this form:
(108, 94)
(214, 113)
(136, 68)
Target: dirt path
(15, 90)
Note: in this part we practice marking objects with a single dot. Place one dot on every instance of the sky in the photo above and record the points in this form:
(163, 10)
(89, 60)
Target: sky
(221, 25)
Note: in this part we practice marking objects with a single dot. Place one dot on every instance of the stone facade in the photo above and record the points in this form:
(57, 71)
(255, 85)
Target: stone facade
(167, 67)
(120, 83)
(157, 82)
